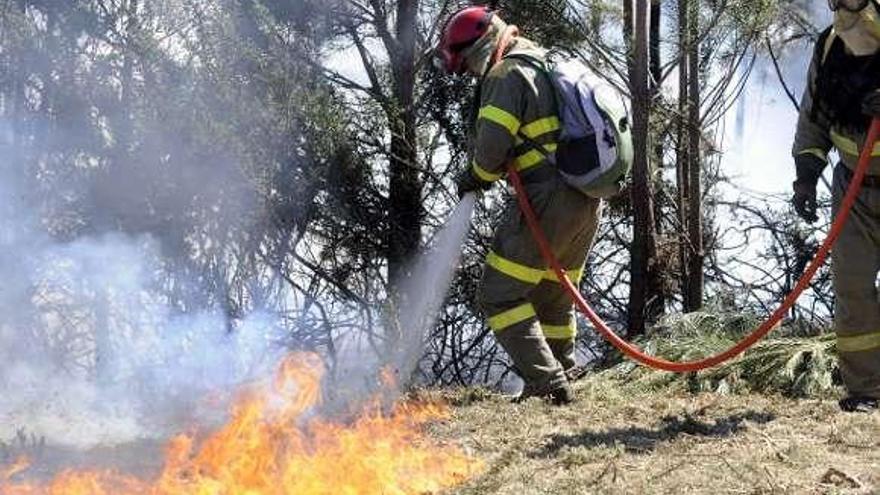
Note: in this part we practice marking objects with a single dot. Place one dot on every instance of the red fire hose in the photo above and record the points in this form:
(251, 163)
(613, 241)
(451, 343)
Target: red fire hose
(634, 352)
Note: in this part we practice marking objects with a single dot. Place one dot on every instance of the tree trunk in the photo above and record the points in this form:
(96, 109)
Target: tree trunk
(628, 24)
(643, 246)
(695, 195)
(126, 131)
(656, 66)
(656, 290)
(681, 151)
(405, 189)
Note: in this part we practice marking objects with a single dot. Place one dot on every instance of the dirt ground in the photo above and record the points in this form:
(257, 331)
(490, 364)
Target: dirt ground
(622, 441)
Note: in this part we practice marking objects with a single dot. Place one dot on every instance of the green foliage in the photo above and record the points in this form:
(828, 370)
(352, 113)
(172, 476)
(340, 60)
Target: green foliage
(781, 364)
(752, 17)
(549, 22)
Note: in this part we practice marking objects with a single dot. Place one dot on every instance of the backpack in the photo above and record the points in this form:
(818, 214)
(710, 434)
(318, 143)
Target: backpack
(595, 151)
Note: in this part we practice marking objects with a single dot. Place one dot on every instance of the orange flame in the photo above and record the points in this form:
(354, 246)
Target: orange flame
(269, 448)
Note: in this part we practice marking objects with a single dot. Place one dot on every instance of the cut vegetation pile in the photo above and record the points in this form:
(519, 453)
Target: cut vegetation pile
(787, 362)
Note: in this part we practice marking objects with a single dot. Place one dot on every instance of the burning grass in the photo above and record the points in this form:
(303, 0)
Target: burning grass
(272, 446)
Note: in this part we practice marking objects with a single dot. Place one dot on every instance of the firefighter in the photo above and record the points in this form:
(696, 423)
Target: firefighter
(837, 107)
(527, 308)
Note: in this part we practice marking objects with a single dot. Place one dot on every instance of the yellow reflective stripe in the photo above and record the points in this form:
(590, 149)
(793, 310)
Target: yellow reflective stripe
(540, 127)
(817, 152)
(560, 331)
(528, 274)
(514, 270)
(485, 174)
(848, 146)
(534, 157)
(511, 317)
(859, 343)
(574, 275)
(501, 117)
(874, 27)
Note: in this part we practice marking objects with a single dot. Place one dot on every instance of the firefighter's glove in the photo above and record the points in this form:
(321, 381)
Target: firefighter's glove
(871, 104)
(809, 169)
(468, 182)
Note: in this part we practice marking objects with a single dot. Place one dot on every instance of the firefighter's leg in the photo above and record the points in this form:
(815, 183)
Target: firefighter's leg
(515, 269)
(555, 310)
(514, 321)
(856, 261)
(554, 304)
(556, 314)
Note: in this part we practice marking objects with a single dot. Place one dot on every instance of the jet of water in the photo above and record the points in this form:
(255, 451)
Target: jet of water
(423, 293)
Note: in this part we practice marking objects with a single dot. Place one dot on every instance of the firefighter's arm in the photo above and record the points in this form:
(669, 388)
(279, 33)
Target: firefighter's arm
(812, 143)
(501, 109)
(813, 138)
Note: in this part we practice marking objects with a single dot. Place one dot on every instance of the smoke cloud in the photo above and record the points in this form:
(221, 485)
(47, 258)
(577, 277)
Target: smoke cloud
(87, 340)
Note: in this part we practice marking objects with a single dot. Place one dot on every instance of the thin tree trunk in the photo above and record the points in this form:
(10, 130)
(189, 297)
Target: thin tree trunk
(656, 291)
(695, 195)
(643, 247)
(126, 134)
(405, 189)
(681, 151)
(656, 66)
(628, 24)
(403, 344)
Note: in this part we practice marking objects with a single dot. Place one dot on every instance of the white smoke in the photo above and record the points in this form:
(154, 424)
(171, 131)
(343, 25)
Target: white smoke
(92, 353)
(762, 130)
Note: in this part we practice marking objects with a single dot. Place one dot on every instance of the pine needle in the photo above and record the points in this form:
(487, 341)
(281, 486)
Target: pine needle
(786, 365)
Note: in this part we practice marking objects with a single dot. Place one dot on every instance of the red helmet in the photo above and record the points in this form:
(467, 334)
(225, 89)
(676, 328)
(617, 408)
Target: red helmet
(462, 30)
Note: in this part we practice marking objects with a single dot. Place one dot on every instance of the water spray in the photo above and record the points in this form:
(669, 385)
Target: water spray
(426, 288)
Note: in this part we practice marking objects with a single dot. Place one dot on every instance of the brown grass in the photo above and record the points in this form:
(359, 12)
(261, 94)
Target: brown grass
(618, 439)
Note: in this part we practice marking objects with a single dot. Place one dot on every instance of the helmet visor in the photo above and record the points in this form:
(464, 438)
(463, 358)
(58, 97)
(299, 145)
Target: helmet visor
(848, 5)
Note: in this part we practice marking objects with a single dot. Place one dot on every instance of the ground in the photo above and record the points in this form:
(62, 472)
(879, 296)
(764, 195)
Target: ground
(619, 440)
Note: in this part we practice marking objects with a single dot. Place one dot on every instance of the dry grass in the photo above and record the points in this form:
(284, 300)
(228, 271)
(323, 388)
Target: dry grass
(619, 439)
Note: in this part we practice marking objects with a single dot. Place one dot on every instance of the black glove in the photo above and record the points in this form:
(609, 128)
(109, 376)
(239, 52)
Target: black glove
(468, 182)
(871, 104)
(809, 169)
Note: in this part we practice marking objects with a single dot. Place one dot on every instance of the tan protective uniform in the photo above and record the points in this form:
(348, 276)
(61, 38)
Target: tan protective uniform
(527, 308)
(856, 255)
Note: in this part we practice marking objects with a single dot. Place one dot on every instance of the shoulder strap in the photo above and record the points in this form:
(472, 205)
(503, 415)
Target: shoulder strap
(532, 60)
(826, 43)
(541, 66)
(821, 51)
